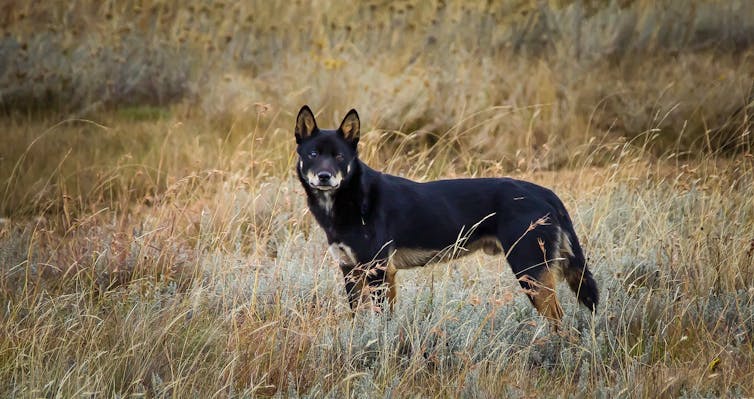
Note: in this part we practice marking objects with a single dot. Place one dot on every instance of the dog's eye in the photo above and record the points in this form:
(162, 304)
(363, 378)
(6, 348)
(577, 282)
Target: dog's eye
(339, 157)
(313, 154)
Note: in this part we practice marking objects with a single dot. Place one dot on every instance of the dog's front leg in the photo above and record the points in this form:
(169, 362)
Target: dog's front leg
(374, 282)
(354, 277)
(380, 282)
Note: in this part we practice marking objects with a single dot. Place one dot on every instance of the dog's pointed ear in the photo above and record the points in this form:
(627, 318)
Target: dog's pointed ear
(306, 126)
(350, 127)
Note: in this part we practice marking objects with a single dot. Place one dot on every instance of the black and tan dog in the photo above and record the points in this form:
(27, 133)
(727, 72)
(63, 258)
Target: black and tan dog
(377, 224)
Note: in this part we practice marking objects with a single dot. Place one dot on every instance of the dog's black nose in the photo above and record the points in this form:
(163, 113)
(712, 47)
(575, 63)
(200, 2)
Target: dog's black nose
(324, 176)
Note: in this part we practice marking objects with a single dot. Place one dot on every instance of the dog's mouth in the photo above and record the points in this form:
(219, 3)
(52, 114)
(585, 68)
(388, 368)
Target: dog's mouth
(324, 187)
(323, 181)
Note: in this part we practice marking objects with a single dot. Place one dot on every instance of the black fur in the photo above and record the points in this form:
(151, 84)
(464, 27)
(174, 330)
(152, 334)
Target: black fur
(375, 214)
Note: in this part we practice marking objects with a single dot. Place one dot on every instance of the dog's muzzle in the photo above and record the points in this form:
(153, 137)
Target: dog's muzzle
(323, 180)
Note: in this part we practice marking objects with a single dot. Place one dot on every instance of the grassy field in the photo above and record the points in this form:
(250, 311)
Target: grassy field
(154, 241)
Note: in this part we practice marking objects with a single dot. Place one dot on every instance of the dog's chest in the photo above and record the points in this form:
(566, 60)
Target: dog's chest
(343, 253)
(351, 245)
(322, 204)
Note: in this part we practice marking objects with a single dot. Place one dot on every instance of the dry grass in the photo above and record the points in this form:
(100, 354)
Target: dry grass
(153, 240)
(223, 288)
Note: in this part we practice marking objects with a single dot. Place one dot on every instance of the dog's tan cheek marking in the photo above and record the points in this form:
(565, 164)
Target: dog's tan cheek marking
(311, 178)
(336, 179)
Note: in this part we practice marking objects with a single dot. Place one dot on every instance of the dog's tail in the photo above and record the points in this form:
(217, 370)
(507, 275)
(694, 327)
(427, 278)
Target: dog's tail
(574, 268)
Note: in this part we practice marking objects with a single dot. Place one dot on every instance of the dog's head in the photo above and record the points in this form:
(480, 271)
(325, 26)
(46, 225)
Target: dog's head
(326, 157)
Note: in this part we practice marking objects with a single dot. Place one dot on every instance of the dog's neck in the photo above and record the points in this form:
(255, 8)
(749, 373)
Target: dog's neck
(344, 206)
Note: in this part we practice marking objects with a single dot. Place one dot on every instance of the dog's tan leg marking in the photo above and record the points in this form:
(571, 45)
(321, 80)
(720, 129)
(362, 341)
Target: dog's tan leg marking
(392, 285)
(545, 299)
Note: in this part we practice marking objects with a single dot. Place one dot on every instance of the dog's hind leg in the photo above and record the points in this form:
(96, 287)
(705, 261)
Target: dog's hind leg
(545, 298)
(536, 274)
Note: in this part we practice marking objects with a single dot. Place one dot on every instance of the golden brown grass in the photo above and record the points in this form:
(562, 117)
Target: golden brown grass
(154, 240)
(218, 284)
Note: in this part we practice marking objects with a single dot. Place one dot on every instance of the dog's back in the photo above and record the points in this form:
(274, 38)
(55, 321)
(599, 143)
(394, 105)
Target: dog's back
(447, 218)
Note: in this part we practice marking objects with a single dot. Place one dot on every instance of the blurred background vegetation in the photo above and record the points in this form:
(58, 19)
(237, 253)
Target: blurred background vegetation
(520, 84)
(155, 242)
